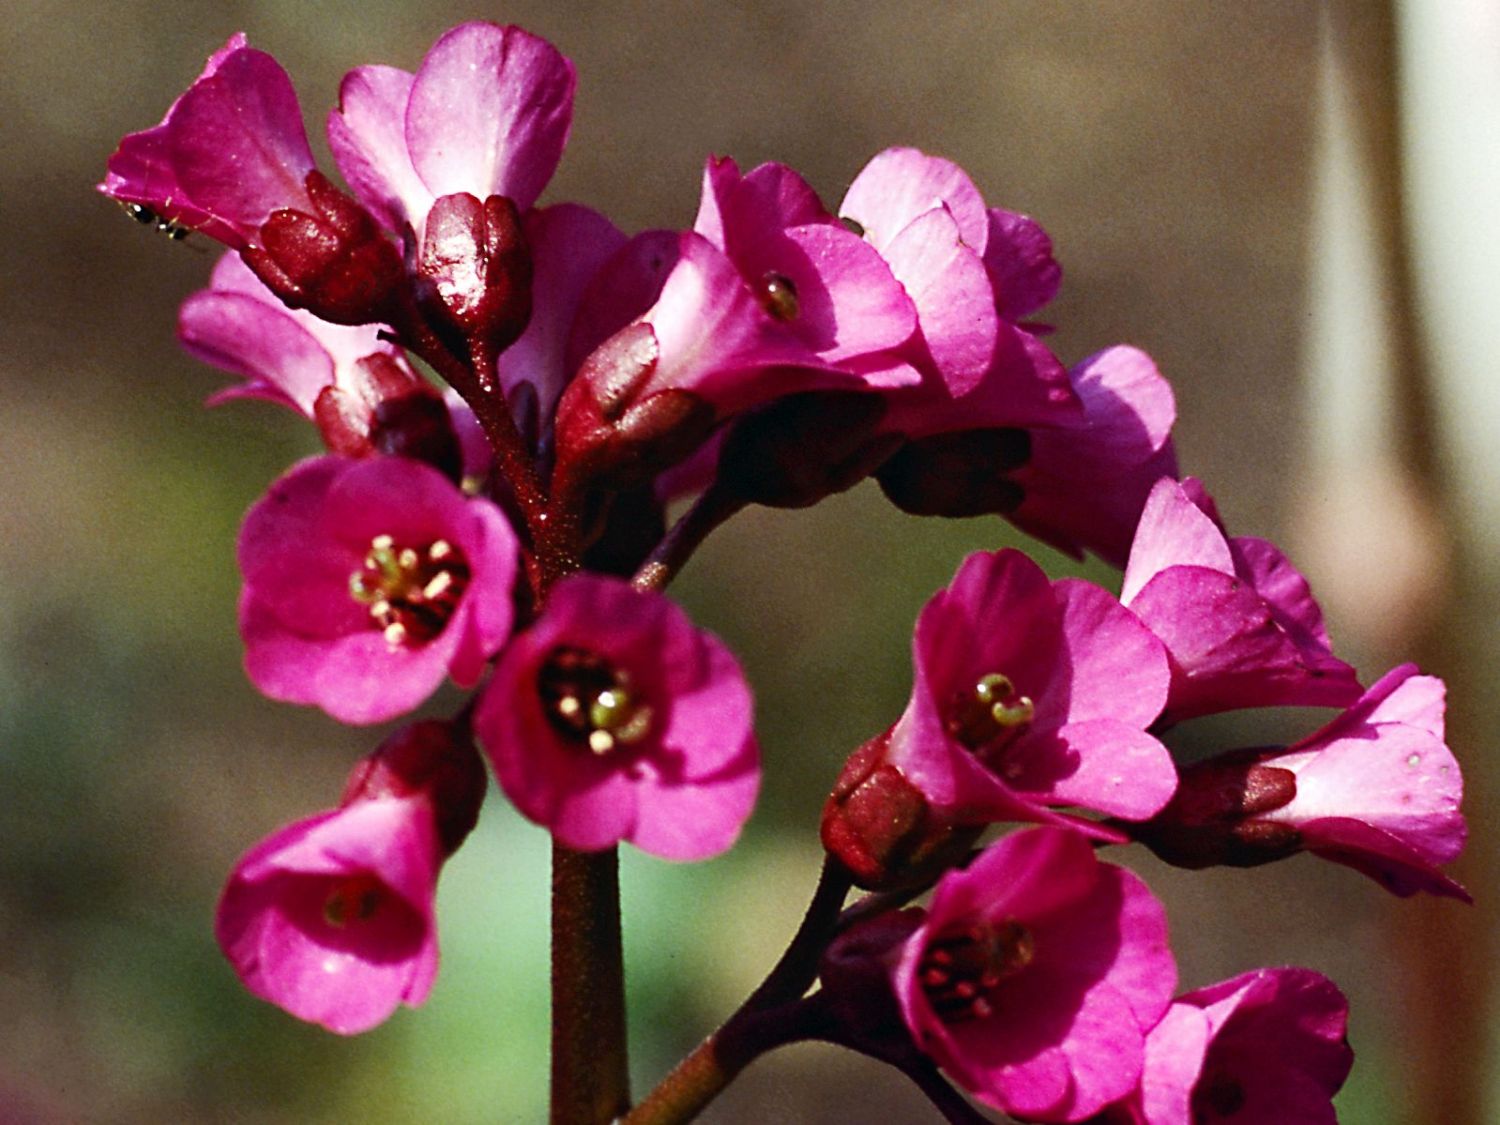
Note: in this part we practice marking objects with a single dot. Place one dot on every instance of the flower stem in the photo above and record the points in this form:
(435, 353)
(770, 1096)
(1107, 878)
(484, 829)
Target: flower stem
(708, 512)
(590, 1076)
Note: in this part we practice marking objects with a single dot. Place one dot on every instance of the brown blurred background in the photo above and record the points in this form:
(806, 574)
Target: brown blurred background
(1173, 151)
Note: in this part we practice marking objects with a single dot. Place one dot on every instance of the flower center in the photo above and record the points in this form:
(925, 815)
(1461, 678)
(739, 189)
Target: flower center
(1217, 1096)
(960, 972)
(355, 899)
(588, 700)
(990, 715)
(779, 296)
(411, 592)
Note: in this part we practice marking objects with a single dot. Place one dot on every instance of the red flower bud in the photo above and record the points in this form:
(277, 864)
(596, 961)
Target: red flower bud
(385, 408)
(336, 264)
(474, 271)
(881, 827)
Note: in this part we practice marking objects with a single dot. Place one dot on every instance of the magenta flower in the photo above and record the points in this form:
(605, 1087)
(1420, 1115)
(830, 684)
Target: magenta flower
(1036, 975)
(1030, 693)
(367, 582)
(830, 288)
(229, 152)
(1376, 789)
(1266, 1048)
(613, 718)
(1238, 620)
(487, 113)
(331, 918)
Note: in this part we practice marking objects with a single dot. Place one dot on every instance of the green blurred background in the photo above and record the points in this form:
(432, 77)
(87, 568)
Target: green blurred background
(1178, 155)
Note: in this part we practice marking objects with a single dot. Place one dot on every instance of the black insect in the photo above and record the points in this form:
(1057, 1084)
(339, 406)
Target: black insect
(148, 217)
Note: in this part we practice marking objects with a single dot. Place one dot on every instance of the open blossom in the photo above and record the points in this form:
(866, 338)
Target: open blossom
(331, 918)
(1376, 789)
(1238, 620)
(1265, 1048)
(368, 582)
(486, 114)
(1035, 976)
(1030, 693)
(613, 718)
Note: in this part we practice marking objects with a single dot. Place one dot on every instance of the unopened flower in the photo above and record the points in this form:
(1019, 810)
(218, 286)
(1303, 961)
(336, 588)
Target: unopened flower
(368, 582)
(1377, 789)
(331, 918)
(1238, 620)
(614, 718)
(1030, 693)
(1036, 975)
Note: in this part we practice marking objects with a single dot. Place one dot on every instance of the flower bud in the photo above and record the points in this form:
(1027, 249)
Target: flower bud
(957, 474)
(384, 408)
(801, 448)
(613, 432)
(881, 827)
(855, 971)
(438, 759)
(474, 271)
(1211, 819)
(335, 263)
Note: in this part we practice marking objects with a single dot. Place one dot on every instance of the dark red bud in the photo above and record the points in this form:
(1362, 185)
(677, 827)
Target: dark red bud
(1211, 820)
(855, 971)
(613, 432)
(436, 759)
(957, 474)
(418, 426)
(474, 271)
(336, 262)
(801, 448)
(883, 830)
(385, 408)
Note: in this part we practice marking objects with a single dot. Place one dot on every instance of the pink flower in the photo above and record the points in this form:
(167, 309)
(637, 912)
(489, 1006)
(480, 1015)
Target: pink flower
(612, 718)
(1376, 789)
(229, 151)
(367, 582)
(827, 285)
(1266, 1048)
(331, 918)
(1030, 693)
(487, 113)
(1237, 618)
(1036, 975)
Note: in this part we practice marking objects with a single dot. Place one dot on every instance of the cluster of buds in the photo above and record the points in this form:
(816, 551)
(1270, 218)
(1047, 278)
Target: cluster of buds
(509, 533)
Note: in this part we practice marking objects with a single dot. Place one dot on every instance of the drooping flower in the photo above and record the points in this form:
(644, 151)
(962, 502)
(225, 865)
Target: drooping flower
(1239, 622)
(1376, 789)
(1030, 693)
(331, 918)
(1265, 1048)
(367, 582)
(614, 718)
(1036, 975)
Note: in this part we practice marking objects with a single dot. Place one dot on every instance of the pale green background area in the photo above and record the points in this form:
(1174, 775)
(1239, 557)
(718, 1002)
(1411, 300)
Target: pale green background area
(1165, 145)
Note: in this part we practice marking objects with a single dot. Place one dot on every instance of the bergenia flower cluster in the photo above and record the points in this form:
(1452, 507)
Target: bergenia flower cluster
(506, 527)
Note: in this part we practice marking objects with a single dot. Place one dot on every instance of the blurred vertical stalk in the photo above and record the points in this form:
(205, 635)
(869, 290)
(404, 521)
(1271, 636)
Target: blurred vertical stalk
(1387, 525)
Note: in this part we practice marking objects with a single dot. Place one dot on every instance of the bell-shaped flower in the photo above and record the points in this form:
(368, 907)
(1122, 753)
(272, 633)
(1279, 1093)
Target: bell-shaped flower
(1030, 693)
(368, 582)
(1376, 789)
(1239, 621)
(1036, 975)
(1268, 1047)
(486, 114)
(614, 718)
(331, 918)
(827, 285)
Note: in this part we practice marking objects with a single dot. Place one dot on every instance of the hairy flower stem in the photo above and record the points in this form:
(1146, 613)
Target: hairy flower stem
(590, 1076)
(709, 511)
